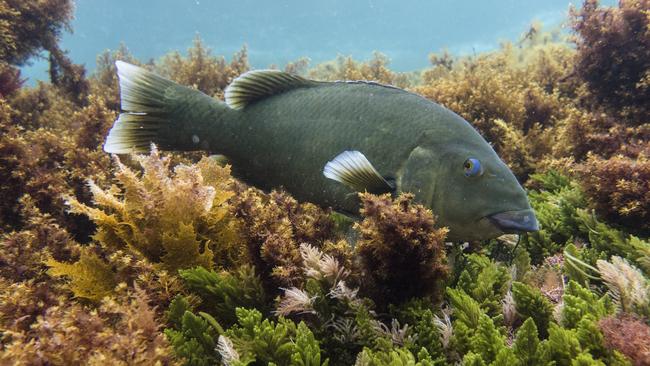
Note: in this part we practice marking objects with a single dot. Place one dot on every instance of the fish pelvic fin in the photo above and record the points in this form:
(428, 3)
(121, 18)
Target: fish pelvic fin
(354, 170)
(255, 85)
(155, 110)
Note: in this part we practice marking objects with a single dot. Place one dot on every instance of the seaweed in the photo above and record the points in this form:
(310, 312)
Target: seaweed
(345, 68)
(104, 83)
(68, 77)
(274, 226)
(265, 341)
(486, 282)
(252, 339)
(10, 80)
(579, 302)
(239, 276)
(618, 188)
(221, 293)
(49, 148)
(192, 336)
(526, 344)
(29, 27)
(71, 334)
(628, 335)
(23, 253)
(395, 357)
(190, 211)
(627, 286)
(91, 277)
(476, 337)
(333, 310)
(180, 220)
(401, 252)
(429, 331)
(613, 49)
(531, 304)
(203, 71)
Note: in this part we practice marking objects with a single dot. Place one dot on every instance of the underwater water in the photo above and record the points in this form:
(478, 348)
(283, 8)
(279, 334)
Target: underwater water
(414, 183)
(282, 31)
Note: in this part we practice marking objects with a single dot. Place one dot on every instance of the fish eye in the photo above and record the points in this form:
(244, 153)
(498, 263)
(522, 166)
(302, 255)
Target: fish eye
(472, 167)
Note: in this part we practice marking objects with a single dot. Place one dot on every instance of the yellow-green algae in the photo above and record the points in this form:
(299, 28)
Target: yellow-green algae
(91, 250)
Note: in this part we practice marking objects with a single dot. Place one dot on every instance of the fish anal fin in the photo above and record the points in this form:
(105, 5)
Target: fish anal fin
(354, 170)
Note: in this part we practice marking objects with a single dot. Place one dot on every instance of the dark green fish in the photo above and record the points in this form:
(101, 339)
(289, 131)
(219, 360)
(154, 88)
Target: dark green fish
(280, 130)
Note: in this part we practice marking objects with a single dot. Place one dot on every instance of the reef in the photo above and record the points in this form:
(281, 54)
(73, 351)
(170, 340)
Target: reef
(168, 259)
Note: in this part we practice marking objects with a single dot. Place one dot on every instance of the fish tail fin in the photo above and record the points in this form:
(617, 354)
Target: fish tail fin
(159, 111)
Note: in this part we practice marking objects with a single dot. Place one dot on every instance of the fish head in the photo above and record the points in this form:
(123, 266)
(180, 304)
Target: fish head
(470, 189)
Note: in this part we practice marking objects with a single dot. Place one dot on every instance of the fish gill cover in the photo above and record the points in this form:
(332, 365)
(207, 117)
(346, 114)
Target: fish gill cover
(167, 259)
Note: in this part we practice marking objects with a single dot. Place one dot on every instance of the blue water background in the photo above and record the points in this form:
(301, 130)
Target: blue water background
(279, 31)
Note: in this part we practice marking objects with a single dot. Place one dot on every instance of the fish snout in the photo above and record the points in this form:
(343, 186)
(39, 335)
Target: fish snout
(513, 222)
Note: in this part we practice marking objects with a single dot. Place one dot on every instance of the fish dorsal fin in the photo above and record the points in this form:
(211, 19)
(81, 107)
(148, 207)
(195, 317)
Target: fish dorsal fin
(368, 82)
(353, 169)
(259, 84)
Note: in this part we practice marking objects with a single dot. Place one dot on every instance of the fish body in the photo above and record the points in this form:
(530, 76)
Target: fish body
(279, 130)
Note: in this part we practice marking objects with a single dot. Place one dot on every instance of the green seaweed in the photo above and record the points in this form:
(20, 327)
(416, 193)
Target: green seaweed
(222, 292)
(486, 282)
(531, 304)
(263, 341)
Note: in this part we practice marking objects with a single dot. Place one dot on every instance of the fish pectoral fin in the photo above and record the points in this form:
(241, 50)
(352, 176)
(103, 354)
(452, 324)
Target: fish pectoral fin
(354, 170)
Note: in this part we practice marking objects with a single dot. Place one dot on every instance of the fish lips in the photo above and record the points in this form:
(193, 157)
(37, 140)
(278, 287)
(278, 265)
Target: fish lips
(513, 222)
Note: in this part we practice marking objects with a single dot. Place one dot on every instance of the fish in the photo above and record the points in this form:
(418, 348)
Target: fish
(324, 142)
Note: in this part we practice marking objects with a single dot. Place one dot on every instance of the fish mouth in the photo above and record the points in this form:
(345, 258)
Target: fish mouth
(513, 222)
